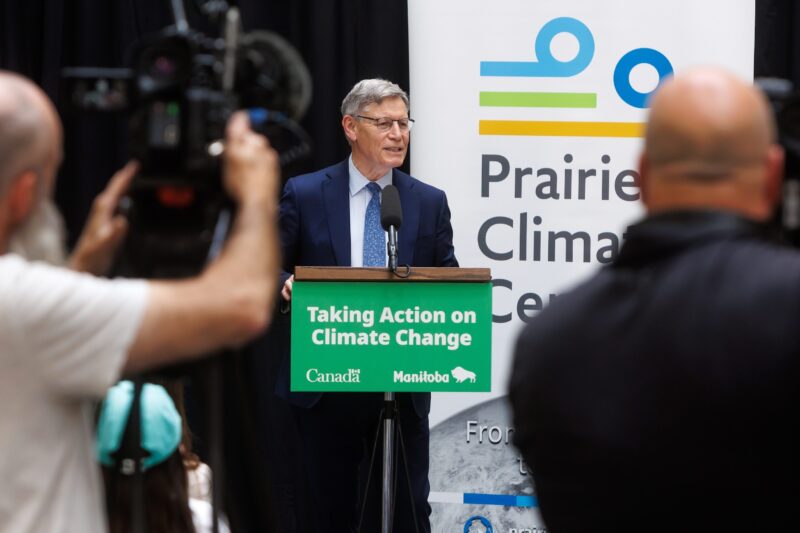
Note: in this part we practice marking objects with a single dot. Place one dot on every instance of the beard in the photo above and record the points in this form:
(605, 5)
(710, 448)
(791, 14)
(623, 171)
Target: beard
(42, 236)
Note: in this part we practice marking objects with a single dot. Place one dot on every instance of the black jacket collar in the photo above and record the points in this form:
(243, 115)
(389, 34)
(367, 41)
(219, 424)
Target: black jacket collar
(666, 234)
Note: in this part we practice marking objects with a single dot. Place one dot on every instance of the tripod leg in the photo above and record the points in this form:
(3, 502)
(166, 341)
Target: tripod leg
(388, 472)
(392, 478)
(404, 459)
(369, 472)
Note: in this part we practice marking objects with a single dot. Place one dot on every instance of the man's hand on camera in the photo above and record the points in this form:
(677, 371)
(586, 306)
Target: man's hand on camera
(105, 229)
(286, 291)
(251, 165)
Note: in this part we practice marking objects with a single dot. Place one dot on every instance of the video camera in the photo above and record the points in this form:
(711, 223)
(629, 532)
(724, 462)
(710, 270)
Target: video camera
(785, 100)
(180, 90)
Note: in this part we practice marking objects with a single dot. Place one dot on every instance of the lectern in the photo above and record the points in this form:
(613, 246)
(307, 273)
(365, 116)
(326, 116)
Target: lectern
(370, 330)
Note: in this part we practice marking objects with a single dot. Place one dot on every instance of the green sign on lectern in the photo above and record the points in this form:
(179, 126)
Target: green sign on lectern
(391, 336)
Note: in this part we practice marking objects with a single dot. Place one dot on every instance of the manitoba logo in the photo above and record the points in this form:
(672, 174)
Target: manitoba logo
(353, 375)
(462, 374)
(420, 377)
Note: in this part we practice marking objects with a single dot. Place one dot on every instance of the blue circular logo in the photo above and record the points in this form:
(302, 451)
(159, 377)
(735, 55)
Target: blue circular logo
(473, 524)
(634, 58)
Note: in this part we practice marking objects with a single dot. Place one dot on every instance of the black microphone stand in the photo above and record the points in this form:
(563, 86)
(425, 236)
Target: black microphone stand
(391, 219)
(391, 427)
(391, 248)
(389, 417)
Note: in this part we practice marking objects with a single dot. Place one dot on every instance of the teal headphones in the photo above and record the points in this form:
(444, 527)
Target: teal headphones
(160, 426)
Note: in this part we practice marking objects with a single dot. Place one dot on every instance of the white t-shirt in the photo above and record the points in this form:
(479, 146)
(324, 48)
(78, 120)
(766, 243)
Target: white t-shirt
(200, 482)
(203, 517)
(63, 340)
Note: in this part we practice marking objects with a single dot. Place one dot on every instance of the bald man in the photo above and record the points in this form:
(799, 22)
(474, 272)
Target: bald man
(65, 337)
(662, 394)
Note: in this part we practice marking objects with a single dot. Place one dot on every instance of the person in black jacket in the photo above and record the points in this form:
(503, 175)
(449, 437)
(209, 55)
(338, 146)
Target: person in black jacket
(662, 394)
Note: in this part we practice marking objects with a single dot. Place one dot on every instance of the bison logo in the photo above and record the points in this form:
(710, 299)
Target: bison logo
(462, 374)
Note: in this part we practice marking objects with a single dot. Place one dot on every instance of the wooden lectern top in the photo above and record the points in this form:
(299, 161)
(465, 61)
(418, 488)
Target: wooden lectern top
(438, 274)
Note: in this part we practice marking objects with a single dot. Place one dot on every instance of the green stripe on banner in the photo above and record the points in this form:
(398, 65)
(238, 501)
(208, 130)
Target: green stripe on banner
(571, 100)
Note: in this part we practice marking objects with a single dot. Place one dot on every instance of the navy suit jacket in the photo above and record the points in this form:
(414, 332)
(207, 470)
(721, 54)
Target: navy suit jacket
(315, 231)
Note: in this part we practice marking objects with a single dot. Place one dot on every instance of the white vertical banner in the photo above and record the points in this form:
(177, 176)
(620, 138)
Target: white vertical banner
(530, 115)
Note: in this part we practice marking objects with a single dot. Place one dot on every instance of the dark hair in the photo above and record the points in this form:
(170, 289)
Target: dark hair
(176, 391)
(166, 499)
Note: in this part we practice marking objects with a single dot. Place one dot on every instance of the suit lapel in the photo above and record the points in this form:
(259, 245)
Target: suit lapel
(409, 203)
(336, 196)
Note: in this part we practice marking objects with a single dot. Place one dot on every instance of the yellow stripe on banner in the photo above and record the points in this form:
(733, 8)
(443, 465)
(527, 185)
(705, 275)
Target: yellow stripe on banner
(561, 129)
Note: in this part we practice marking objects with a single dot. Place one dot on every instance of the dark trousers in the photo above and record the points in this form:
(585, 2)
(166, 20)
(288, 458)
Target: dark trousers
(338, 435)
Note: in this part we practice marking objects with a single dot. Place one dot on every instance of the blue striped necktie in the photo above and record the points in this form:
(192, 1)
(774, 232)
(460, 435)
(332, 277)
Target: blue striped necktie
(374, 242)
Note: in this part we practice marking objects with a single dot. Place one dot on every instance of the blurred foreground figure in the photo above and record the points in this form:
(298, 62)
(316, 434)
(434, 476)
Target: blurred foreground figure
(65, 337)
(169, 507)
(662, 394)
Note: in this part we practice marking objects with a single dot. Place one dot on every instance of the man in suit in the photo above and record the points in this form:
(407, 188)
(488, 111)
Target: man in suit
(327, 218)
(662, 394)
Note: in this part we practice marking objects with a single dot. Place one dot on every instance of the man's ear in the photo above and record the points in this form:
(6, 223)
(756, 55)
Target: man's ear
(774, 178)
(349, 127)
(22, 196)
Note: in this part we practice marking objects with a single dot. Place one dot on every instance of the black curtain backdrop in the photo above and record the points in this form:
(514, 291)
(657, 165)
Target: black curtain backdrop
(777, 52)
(342, 41)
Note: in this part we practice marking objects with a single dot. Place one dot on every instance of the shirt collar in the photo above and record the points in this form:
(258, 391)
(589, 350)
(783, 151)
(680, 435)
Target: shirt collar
(358, 181)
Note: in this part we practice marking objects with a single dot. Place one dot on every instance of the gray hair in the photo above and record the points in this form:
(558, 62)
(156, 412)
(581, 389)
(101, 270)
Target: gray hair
(22, 145)
(368, 92)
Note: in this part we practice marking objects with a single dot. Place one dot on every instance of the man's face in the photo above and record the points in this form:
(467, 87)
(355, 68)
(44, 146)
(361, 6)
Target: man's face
(379, 151)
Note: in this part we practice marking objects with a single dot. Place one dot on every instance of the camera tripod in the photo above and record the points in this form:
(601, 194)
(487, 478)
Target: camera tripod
(390, 429)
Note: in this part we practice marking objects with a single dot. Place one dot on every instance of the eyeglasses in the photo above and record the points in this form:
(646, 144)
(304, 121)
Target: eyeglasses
(384, 124)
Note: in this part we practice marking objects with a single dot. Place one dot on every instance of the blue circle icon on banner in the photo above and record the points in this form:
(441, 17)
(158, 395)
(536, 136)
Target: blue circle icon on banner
(634, 58)
(478, 524)
(552, 66)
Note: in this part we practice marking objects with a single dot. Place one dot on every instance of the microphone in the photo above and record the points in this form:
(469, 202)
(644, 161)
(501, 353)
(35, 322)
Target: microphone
(391, 220)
